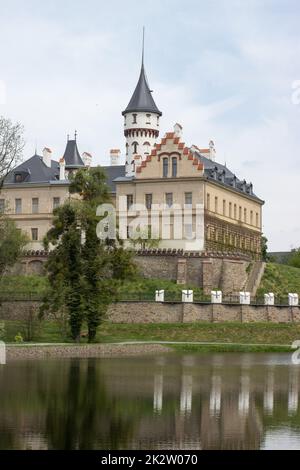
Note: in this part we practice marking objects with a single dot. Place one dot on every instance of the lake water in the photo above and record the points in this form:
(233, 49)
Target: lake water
(171, 401)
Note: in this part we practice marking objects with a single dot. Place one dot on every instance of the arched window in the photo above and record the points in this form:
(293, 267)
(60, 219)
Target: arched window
(135, 147)
(174, 167)
(146, 146)
(165, 167)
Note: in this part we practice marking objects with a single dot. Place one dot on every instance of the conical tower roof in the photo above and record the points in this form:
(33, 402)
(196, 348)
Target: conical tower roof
(142, 100)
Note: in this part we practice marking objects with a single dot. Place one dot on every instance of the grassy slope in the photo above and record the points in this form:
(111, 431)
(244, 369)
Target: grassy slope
(280, 279)
(247, 333)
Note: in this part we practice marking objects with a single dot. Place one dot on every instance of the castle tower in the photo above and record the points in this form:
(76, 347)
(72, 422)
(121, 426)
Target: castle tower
(141, 123)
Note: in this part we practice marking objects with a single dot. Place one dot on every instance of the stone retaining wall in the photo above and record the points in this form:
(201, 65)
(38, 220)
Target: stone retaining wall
(168, 312)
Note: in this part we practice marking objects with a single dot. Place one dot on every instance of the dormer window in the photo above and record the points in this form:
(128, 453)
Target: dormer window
(134, 121)
(19, 177)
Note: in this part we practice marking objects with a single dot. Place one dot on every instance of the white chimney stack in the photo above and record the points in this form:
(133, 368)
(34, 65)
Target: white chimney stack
(212, 151)
(178, 129)
(47, 154)
(115, 155)
(87, 159)
(62, 166)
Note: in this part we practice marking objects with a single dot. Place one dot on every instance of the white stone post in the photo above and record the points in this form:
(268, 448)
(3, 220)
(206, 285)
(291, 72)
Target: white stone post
(245, 298)
(187, 296)
(159, 296)
(269, 298)
(216, 296)
(293, 300)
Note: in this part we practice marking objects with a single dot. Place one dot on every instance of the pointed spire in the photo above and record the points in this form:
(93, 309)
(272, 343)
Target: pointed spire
(72, 156)
(143, 50)
(142, 99)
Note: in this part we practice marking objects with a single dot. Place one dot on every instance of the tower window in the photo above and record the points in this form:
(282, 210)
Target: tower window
(174, 167)
(146, 148)
(134, 121)
(165, 167)
(148, 120)
(157, 123)
(135, 147)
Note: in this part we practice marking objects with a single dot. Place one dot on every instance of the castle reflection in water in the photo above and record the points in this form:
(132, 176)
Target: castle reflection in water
(174, 401)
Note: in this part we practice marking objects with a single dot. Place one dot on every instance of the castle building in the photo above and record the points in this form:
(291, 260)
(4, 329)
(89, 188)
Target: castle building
(165, 171)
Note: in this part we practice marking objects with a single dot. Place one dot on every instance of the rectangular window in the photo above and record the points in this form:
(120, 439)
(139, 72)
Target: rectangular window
(169, 199)
(240, 213)
(134, 118)
(174, 167)
(148, 201)
(188, 231)
(188, 199)
(235, 211)
(165, 167)
(216, 204)
(230, 209)
(35, 205)
(18, 206)
(56, 202)
(148, 120)
(251, 218)
(129, 201)
(245, 216)
(2, 205)
(208, 202)
(257, 222)
(224, 207)
(34, 234)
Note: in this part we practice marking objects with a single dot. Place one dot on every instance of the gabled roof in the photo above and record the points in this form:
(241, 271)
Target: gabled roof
(72, 156)
(142, 99)
(34, 170)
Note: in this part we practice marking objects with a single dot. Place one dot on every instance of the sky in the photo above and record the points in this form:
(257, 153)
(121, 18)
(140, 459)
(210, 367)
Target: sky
(225, 70)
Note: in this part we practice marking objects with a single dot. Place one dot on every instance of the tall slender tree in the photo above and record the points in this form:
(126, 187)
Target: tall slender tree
(84, 270)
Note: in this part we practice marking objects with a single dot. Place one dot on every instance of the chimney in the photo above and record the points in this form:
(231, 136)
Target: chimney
(87, 159)
(212, 151)
(47, 154)
(115, 155)
(178, 129)
(62, 166)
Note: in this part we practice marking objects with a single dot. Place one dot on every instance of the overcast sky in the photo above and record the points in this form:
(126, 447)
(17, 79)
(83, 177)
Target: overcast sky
(225, 70)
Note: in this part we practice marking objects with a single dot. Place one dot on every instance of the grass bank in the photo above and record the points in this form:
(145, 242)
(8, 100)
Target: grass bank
(223, 337)
(280, 279)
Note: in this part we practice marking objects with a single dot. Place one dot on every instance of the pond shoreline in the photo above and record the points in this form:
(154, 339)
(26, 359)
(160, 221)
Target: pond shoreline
(47, 351)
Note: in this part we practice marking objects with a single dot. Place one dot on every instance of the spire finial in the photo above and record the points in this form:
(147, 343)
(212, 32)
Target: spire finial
(75, 135)
(143, 48)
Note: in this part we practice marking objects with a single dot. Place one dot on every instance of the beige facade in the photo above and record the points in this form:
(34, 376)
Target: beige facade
(31, 207)
(223, 217)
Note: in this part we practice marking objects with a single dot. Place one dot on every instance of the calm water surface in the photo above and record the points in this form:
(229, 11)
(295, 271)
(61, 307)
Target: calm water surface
(172, 401)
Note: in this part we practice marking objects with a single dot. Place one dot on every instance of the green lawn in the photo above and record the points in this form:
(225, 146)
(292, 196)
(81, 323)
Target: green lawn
(246, 333)
(280, 279)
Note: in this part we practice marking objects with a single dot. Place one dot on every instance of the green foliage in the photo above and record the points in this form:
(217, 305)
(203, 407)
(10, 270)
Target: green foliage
(12, 242)
(294, 258)
(264, 248)
(82, 268)
(280, 279)
(19, 338)
(2, 330)
(144, 240)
